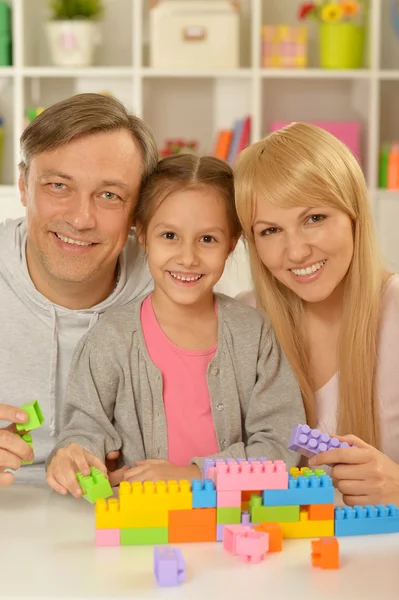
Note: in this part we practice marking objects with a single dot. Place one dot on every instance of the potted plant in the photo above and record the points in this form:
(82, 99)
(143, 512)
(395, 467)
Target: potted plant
(341, 31)
(73, 31)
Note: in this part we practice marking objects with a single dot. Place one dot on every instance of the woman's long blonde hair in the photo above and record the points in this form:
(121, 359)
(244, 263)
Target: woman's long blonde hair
(303, 165)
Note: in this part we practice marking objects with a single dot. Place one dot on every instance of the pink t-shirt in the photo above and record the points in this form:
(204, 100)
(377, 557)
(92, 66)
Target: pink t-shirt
(190, 427)
(387, 375)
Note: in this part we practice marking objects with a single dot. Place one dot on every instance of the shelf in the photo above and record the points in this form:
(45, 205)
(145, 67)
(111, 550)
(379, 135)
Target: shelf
(316, 73)
(243, 73)
(7, 71)
(389, 75)
(56, 73)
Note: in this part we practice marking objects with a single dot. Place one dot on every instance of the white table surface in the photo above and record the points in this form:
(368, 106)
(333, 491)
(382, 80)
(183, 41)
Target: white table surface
(47, 551)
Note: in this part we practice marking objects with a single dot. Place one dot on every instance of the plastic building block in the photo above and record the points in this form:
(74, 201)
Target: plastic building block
(325, 553)
(306, 489)
(144, 536)
(204, 493)
(228, 516)
(246, 497)
(307, 529)
(94, 486)
(230, 536)
(275, 535)
(278, 514)
(321, 512)
(169, 566)
(245, 475)
(197, 525)
(108, 537)
(166, 495)
(229, 499)
(35, 416)
(28, 439)
(193, 534)
(366, 520)
(252, 546)
(108, 515)
(310, 442)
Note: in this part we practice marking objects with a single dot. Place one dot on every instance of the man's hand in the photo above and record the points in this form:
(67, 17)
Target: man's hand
(160, 470)
(115, 474)
(13, 450)
(61, 474)
(364, 475)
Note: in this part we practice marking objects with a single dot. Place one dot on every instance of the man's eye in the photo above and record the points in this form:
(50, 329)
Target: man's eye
(110, 196)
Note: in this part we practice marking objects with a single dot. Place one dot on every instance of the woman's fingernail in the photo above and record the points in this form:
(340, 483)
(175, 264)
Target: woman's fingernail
(21, 416)
(312, 462)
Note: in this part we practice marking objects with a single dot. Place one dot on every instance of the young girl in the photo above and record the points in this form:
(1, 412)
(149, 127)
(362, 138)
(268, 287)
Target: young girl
(182, 374)
(302, 200)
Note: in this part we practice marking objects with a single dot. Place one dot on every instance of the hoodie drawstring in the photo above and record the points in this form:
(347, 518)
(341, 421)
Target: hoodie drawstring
(53, 369)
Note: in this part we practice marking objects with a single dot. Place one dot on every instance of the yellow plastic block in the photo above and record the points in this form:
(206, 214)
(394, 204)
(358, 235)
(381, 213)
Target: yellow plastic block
(159, 496)
(139, 519)
(108, 515)
(307, 529)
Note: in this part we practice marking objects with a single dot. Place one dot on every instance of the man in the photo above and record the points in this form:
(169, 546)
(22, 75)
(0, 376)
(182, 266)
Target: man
(73, 257)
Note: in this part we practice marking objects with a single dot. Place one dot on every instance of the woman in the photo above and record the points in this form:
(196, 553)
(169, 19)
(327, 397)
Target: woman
(317, 272)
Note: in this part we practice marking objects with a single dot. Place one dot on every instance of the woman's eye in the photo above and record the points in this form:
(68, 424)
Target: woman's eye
(316, 218)
(269, 231)
(169, 235)
(208, 239)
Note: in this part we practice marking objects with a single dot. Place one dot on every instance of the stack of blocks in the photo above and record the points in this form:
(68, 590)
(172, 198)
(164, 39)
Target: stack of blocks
(284, 47)
(280, 504)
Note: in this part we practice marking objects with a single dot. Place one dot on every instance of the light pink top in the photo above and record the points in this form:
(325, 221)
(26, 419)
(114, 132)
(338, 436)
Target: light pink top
(189, 421)
(387, 376)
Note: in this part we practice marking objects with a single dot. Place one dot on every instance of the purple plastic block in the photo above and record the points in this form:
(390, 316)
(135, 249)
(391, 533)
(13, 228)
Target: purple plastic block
(310, 442)
(219, 532)
(169, 566)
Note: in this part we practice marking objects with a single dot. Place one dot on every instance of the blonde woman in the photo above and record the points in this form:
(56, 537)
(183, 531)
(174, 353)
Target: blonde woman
(317, 272)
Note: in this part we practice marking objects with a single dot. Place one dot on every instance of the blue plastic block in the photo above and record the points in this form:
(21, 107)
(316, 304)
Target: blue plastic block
(302, 490)
(310, 442)
(204, 493)
(366, 520)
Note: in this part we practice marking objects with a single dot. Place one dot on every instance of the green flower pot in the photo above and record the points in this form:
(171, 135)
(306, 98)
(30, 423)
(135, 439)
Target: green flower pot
(341, 46)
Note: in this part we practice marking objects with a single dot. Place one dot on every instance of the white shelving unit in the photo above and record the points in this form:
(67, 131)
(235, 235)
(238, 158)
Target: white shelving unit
(196, 104)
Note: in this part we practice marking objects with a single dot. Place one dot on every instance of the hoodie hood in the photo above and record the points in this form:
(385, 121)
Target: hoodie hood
(48, 333)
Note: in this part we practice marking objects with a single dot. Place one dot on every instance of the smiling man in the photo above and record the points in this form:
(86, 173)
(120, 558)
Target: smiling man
(73, 257)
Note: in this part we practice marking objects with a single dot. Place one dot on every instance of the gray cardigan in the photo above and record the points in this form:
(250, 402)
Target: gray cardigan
(114, 395)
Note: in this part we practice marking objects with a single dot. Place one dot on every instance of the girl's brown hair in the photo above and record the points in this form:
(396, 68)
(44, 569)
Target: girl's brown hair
(303, 165)
(184, 172)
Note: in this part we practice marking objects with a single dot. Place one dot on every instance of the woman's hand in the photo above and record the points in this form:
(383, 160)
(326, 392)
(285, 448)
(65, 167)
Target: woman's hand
(364, 475)
(160, 470)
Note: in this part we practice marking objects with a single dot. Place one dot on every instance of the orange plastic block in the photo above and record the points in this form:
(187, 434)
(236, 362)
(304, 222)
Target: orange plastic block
(325, 553)
(197, 517)
(246, 497)
(320, 512)
(181, 534)
(275, 535)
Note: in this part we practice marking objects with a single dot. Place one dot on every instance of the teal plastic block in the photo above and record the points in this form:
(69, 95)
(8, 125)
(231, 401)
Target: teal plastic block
(28, 439)
(366, 520)
(94, 486)
(302, 490)
(204, 493)
(35, 415)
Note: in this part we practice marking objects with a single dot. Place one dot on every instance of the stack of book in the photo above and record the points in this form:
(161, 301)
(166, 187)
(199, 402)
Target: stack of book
(230, 142)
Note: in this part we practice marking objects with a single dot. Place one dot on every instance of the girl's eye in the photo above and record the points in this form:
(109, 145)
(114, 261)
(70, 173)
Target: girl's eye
(109, 196)
(269, 231)
(208, 239)
(316, 218)
(169, 235)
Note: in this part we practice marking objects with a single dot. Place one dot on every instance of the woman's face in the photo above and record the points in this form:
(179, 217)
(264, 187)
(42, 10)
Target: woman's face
(309, 250)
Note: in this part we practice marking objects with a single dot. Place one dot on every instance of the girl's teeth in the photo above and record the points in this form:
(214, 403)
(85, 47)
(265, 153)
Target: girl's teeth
(309, 270)
(181, 278)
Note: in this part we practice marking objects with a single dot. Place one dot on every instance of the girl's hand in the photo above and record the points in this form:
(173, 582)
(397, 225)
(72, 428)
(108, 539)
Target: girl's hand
(160, 470)
(61, 474)
(364, 475)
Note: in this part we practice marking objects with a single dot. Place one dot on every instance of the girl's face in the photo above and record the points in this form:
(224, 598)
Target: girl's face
(188, 241)
(309, 250)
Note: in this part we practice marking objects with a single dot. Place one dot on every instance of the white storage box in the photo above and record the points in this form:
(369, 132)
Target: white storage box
(194, 34)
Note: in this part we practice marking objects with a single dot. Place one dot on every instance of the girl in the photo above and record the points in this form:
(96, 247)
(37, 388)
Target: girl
(303, 203)
(182, 374)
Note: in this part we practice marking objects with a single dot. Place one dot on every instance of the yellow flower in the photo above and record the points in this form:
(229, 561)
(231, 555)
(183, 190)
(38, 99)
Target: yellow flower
(350, 8)
(331, 13)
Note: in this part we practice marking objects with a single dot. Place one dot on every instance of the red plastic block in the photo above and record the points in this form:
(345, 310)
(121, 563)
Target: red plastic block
(252, 546)
(246, 475)
(275, 535)
(320, 512)
(325, 553)
(231, 534)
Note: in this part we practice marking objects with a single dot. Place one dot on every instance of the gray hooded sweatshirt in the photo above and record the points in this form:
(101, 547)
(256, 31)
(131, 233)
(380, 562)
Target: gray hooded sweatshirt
(38, 338)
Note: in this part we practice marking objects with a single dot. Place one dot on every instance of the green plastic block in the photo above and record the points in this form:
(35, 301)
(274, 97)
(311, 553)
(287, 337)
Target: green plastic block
(94, 486)
(28, 439)
(228, 516)
(35, 414)
(267, 514)
(145, 535)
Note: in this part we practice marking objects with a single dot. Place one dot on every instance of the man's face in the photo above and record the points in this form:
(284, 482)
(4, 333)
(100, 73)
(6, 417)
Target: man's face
(79, 203)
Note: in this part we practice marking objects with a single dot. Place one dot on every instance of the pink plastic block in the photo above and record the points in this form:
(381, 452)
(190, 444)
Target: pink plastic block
(347, 132)
(228, 499)
(230, 535)
(108, 537)
(248, 476)
(252, 546)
